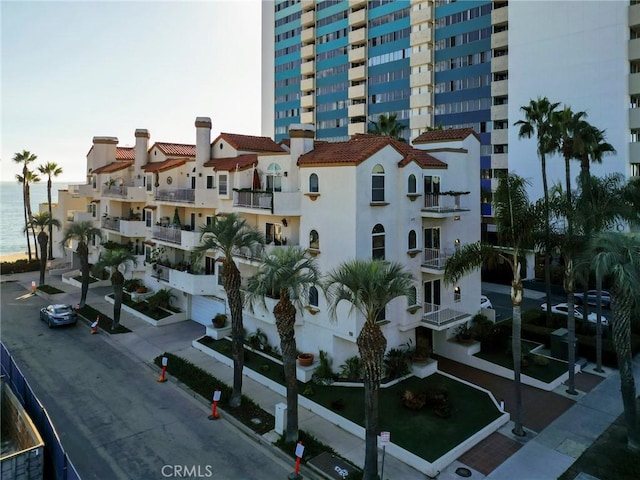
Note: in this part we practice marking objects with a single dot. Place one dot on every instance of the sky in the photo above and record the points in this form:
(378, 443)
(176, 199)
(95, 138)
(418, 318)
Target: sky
(74, 70)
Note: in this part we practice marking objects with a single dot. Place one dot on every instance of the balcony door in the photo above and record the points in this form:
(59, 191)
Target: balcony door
(273, 233)
(432, 238)
(432, 190)
(431, 295)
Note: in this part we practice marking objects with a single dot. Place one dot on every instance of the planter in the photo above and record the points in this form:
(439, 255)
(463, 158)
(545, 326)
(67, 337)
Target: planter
(305, 359)
(219, 321)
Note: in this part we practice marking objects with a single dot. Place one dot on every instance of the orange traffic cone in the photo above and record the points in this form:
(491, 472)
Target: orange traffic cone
(94, 325)
(162, 377)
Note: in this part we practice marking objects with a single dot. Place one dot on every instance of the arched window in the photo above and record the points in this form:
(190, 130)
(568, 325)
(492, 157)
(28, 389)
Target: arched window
(314, 240)
(411, 184)
(313, 183)
(412, 298)
(377, 242)
(313, 296)
(377, 184)
(412, 242)
(274, 179)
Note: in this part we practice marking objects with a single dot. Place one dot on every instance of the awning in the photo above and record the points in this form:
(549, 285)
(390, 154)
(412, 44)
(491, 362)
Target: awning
(149, 207)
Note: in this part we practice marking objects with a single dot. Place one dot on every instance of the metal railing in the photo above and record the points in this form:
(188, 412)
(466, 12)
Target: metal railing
(183, 195)
(444, 203)
(111, 224)
(168, 234)
(116, 190)
(442, 314)
(435, 258)
(251, 199)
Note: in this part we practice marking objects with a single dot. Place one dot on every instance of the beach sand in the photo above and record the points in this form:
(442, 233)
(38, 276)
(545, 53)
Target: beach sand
(12, 257)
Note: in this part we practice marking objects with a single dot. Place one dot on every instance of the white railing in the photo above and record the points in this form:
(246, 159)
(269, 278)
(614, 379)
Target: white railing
(116, 190)
(183, 195)
(111, 224)
(435, 258)
(168, 234)
(444, 203)
(442, 314)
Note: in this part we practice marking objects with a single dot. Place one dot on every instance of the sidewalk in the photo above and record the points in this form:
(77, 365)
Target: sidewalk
(545, 455)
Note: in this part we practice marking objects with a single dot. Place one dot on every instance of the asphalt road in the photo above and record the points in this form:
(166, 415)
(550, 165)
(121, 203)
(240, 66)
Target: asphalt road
(114, 419)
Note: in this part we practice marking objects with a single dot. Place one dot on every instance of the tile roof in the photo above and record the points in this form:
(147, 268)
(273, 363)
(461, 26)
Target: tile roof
(360, 147)
(125, 153)
(181, 149)
(166, 165)
(113, 167)
(250, 143)
(445, 135)
(229, 164)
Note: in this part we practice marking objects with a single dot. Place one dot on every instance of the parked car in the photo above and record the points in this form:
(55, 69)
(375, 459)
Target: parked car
(563, 309)
(56, 315)
(591, 295)
(485, 302)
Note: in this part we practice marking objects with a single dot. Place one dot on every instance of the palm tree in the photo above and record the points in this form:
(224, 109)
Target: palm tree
(82, 232)
(50, 169)
(617, 255)
(287, 274)
(42, 221)
(389, 126)
(538, 120)
(116, 260)
(369, 286)
(516, 232)
(595, 149)
(25, 158)
(228, 235)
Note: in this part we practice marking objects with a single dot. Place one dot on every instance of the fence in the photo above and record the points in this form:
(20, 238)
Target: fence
(57, 465)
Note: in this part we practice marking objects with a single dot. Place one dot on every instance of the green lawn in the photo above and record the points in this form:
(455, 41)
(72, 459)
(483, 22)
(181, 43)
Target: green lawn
(420, 432)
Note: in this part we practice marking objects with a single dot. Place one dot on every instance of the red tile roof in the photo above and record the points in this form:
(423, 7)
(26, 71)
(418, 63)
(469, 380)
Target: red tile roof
(166, 165)
(181, 149)
(229, 164)
(113, 167)
(360, 147)
(250, 143)
(445, 135)
(125, 153)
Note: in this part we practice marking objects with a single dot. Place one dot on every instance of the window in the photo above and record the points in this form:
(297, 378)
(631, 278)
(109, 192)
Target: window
(274, 181)
(222, 184)
(635, 169)
(273, 233)
(209, 265)
(149, 181)
(314, 240)
(220, 274)
(313, 296)
(148, 218)
(412, 298)
(377, 184)
(432, 296)
(147, 253)
(377, 242)
(432, 238)
(456, 294)
(412, 242)
(411, 184)
(432, 191)
(209, 182)
(313, 183)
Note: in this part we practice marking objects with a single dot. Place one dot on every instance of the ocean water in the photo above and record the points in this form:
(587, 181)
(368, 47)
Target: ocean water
(12, 238)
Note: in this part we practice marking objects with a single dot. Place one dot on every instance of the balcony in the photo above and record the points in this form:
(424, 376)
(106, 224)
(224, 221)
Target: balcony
(439, 206)
(634, 118)
(421, 36)
(634, 15)
(420, 79)
(634, 49)
(419, 122)
(434, 259)
(358, 36)
(420, 16)
(357, 73)
(421, 58)
(634, 84)
(253, 199)
(500, 136)
(499, 112)
(307, 52)
(133, 228)
(500, 16)
(358, 18)
(308, 5)
(179, 195)
(307, 84)
(500, 39)
(167, 234)
(85, 190)
(125, 192)
(307, 68)
(307, 117)
(186, 281)
(355, 128)
(357, 110)
(443, 315)
(111, 224)
(358, 91)
(308, 18)
(500, 64)
(422, 100)
(308, 35)
(357, 55)
(307, 101)
(499, 88)
(77, 216)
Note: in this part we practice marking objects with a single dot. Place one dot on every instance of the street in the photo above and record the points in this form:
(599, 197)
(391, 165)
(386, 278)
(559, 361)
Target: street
(114, 419)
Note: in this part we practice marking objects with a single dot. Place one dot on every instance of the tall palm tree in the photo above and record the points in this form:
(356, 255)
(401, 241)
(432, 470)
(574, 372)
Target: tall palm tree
(25, 158)
(42, 221)
(50, 169)
(388, 125)
(513, 217)
(287, 274)
(82, 232)
(116, 260)
(369, 286)
(228, 235)
(537, 120)
(595, 148)
(617, 255)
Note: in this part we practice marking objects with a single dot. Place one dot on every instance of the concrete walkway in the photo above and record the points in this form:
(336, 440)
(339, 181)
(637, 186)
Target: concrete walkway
(545, 456)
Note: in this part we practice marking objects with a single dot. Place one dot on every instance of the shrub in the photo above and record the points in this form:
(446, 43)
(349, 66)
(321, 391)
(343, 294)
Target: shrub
(258, 340)
(481, 327)
(351, 369)
(397, 363)
(413, 401)
(19, 266)
(540, 360)
(161, 299)
(132, 284)
(323, 374)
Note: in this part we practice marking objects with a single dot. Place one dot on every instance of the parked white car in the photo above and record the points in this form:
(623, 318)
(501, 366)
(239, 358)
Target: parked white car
(485, 302)
(592, 296)
(563, 309)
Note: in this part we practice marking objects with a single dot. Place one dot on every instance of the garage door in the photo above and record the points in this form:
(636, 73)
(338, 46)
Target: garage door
(204, 308)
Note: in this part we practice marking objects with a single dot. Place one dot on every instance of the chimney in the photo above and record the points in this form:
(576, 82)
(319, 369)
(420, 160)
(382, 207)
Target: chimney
(301, 137)
(103, 152)
(141, 154)
(203, 142)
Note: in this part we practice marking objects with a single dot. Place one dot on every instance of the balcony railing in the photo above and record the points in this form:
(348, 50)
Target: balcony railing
(111, 224)
(182, 195)
(253, 199)
(168, 234)
(436, 202)
(116, 190)
(435, 314)
(435, 258)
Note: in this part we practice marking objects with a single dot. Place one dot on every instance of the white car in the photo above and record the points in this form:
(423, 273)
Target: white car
(592, 296)
(563, 309)
(485, 302)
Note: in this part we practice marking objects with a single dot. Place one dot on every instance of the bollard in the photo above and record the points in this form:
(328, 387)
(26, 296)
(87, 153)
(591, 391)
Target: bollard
(94, 325)
(296, 474)
(33, 287)
(214, 408)
(162, 377)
